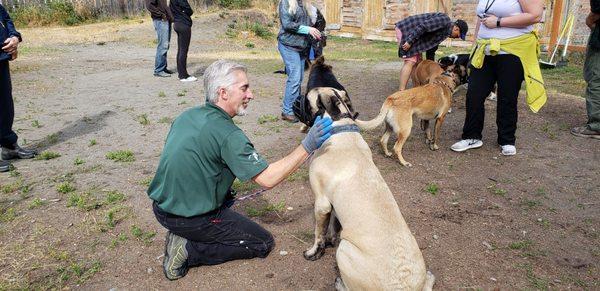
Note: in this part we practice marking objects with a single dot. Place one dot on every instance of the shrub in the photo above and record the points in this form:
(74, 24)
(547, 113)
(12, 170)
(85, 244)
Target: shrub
(234, 4)
(55, 12)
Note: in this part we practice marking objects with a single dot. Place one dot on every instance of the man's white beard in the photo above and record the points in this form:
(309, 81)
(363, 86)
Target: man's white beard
(241, 111)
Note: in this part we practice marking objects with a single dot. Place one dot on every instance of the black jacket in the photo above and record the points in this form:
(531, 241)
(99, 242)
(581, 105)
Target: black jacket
(7, 29)
(159, 10)
(181, 12)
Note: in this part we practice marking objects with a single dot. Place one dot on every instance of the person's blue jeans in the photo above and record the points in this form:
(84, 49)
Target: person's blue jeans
(294, 68)
(163, 33)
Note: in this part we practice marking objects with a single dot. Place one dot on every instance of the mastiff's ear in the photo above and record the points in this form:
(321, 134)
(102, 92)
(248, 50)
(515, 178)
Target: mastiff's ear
(328, 104)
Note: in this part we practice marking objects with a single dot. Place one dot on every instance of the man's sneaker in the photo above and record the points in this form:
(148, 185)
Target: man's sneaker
(162, 74)
(175, 262)
(466, 144)
(168, 71)
(508, 150)
(4, 166)
(189, 79)
(17, 152)
(584, 131)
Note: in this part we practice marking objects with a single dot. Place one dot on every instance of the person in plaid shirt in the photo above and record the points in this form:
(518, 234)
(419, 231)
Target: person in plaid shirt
(424, 32)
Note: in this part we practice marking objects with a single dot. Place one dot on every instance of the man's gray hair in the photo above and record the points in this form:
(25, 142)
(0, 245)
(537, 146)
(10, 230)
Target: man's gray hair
(220, 75)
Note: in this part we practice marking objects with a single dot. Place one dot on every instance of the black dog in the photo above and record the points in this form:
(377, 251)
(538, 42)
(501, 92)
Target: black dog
(459, 64)
(318, 90)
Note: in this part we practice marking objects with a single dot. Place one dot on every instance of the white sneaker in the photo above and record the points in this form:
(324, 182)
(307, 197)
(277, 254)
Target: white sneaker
(189, 79)
(509, 150)
(466, 144)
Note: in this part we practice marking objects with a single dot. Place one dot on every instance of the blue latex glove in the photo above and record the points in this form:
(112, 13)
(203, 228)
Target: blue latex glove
(318, 133)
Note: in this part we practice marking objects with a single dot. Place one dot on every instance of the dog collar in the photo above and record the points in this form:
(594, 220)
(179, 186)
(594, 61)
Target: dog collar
(344, 128)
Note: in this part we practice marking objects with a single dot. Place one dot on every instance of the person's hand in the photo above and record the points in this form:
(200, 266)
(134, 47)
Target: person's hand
(490, 21)
(406, 46)
(591, 20)
(318, 133)
(10, 45)
(14, 55)
(315, 33)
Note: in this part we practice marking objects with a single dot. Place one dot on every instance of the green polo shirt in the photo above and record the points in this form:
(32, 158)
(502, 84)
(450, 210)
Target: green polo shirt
(204, 152)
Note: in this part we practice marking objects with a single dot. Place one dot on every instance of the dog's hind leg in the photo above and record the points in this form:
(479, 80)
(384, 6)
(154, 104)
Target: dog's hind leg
(427, 129)
(403, 134)
(332, 238)
(436, 133)
(385, 138)
(322, 213)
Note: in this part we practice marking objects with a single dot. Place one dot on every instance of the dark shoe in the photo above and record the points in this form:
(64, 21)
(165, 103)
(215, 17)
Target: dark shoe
(584, 131)
(168, 71)
(289, 118)
(17, 152)
(161, 74)
(175, 262)
(5, 166)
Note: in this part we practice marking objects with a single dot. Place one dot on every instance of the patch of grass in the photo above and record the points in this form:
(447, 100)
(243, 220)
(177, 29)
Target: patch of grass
(249, 45)
(79, 271)
(565, 79)
(65, 187)
(36, 202)
(143, 119)
(78, 161)
(143, 236)
(432, 189)
(263, 210)
(114, 197)
(146, 181)
(12, 187)
(530, 204)
(123, 156)
(519, 245)
(116, 214)
(242, 187)
(92, 142)
(165, 120)
(7, 215)
(496, 190)
(234, 4)
(118, 240)
(256, 28)
(162, 94)
(47, 155)
(59, 12)
(535, 281)
(267, 118)
(182, 93)
(299, 175)
(184, 102)
(14, 173)
(35, 123)
(84, 201)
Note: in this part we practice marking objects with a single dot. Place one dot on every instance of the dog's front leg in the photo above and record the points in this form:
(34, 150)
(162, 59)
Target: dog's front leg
(436, 134)
(322, 214)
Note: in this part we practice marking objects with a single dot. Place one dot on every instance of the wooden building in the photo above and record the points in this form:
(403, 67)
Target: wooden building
(375, 19)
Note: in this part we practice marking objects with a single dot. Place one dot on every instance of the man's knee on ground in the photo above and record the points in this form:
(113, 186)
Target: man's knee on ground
(266, 247)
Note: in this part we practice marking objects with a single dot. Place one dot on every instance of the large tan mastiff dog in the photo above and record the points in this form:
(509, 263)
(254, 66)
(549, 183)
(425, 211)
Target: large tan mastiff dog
(376, 249)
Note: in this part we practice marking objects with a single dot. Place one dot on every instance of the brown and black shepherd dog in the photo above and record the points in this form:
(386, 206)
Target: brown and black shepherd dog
(429, 103)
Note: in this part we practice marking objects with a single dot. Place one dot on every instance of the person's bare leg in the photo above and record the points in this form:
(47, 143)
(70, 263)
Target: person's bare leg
(405, 74)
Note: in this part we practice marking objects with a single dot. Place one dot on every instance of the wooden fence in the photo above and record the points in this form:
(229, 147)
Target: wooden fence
(103, 7)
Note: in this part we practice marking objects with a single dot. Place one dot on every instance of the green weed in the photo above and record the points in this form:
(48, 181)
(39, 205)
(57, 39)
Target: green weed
(51, 139)
(143, 236)
(146, 181)
(84, 201)
(92, 142)
(8, 214)
(432, 189)
(12, 187)
(36, 124)
(181, 93)
(143, 119)
(530, 204)
(65, 187)
(116, 215)
(162, 94)
(267, 118)
(47, 155)
(114, 196)
(78, 161)
(165, 120)
(519, 245)
(36, 202)
(121, 156)
(119, 239)
(249, 45)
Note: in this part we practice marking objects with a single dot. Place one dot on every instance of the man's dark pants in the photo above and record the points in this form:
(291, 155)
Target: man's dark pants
(218, 236)
(7, 109)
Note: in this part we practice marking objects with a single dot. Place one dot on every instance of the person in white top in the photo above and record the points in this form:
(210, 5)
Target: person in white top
(500, 19)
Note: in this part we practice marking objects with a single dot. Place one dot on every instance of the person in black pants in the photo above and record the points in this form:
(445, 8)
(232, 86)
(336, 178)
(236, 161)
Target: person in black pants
(182, 24)
(9, 42)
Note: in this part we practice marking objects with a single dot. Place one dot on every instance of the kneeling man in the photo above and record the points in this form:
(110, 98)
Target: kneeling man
(203, 154)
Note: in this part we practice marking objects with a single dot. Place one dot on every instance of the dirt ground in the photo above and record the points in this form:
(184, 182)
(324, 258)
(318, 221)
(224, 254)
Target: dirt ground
(482, 220)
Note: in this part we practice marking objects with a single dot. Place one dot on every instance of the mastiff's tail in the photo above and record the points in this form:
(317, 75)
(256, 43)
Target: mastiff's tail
(377, 121)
